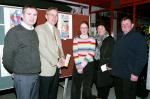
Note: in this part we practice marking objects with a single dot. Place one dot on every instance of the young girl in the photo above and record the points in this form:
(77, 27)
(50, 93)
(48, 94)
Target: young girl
(83, 53)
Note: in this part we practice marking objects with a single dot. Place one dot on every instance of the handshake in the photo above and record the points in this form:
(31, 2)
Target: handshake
(63, 62)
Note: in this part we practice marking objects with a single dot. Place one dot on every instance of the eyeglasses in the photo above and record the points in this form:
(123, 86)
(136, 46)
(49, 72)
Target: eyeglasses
(83, 27)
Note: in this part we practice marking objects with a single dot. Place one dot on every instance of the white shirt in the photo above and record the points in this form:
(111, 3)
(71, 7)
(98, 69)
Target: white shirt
(51, 27)
(26, 26)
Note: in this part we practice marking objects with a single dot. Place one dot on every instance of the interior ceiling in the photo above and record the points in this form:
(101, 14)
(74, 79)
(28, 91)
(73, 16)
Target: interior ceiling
(100, 3)
(125, 6)
(141, 10)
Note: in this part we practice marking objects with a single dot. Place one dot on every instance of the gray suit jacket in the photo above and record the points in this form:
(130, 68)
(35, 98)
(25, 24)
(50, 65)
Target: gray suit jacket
(50, 47)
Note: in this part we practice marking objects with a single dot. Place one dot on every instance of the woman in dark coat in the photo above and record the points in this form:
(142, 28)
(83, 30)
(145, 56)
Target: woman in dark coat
(103, 53)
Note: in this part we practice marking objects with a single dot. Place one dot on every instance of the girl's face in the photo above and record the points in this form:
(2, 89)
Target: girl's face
(84, 29)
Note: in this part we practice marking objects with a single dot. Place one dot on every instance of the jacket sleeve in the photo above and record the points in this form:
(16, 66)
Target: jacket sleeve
(106, 50)
(141, 54)
(10, 47)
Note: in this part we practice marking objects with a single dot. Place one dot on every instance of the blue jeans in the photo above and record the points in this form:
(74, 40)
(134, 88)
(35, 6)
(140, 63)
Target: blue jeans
(26, 86)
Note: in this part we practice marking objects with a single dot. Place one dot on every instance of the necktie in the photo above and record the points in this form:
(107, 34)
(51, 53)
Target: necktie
(57, 42)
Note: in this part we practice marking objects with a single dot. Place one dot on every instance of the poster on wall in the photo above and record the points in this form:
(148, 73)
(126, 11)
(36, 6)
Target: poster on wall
(92, 31)
(65, 26)
(13, 16)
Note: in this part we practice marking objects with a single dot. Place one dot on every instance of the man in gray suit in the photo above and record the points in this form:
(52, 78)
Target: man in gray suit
(51, 54)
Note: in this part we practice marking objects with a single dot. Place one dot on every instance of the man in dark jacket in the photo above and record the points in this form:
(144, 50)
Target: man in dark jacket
(21, 55)
(128, 60)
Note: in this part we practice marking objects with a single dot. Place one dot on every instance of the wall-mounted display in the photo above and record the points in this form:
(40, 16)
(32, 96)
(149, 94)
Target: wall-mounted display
(65, 26)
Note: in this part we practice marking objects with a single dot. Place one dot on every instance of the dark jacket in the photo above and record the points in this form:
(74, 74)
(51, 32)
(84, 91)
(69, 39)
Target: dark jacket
(106, 50)
(129, 55)
(104, 78)
(21, 51)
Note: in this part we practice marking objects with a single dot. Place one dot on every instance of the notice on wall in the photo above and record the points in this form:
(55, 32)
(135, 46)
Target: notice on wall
(12, 16)
(65, 26)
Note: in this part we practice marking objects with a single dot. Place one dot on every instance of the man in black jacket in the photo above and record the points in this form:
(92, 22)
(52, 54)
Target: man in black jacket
(21, 55)
(128, 60)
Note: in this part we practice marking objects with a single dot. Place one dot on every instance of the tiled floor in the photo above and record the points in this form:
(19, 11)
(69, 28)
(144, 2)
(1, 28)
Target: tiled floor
(111, 94)
(11, 95)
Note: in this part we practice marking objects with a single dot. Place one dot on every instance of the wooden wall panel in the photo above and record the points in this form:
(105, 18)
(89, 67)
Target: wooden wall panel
(41, 17)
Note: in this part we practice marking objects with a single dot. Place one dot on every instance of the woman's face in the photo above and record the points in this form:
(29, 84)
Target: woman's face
(101, 30)
(84, 28)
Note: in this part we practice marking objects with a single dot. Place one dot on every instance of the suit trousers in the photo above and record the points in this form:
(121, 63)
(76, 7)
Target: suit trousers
(27, 86)
(124, 88)
(49, 86)
(85, 80)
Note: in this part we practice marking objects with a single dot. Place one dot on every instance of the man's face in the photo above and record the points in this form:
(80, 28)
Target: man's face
(52, 17)
(126, 26)
(29, 16)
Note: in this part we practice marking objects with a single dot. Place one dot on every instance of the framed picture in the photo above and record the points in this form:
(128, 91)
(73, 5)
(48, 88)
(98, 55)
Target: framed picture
(65, 26)
(12, 16)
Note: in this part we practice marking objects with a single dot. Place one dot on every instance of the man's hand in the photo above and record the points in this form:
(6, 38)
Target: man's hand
(134, 78)
(61, 62)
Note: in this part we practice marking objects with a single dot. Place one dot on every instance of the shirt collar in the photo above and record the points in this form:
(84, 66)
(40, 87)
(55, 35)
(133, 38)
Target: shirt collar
(49, 25)
(26, 26)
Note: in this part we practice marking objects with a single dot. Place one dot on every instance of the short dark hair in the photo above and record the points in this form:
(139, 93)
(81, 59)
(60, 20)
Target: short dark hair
(28, 6)
(51, 8)
(100, 25)
(126, 18)
(85, 22)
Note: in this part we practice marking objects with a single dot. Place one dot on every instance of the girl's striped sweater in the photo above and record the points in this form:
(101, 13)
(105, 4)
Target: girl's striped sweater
(83, 50)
